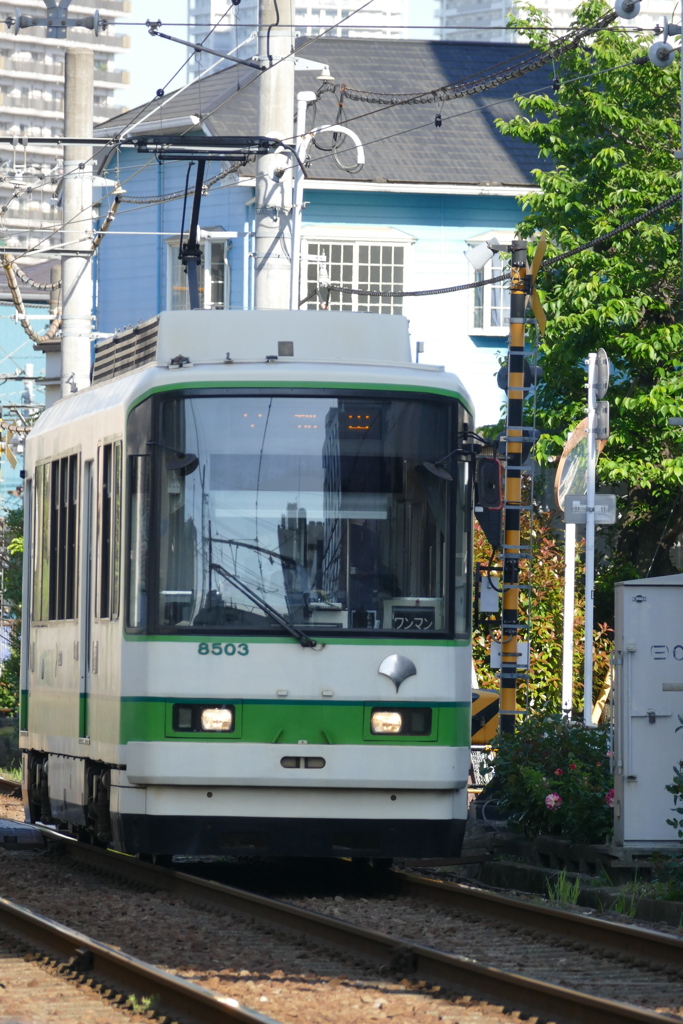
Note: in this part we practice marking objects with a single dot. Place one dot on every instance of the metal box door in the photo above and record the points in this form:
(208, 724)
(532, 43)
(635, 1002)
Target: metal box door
(648, 701)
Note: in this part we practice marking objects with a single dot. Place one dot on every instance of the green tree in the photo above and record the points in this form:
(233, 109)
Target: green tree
(12, 557)
(607, 136)
(543, 691)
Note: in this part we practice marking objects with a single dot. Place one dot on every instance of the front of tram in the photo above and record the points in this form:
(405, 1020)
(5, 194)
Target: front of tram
(300, 581)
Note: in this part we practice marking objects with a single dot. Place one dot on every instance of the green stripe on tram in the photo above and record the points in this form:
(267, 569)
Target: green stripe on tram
(283, 638)
(336, 386)
(145, 719)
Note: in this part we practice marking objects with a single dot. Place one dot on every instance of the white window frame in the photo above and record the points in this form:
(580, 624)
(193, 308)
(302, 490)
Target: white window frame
(207, 239)
(504, 236)
(357, 236)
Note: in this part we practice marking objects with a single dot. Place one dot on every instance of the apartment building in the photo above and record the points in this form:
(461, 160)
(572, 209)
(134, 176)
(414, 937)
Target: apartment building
(484, 21)
(32, 108)
(236, 25)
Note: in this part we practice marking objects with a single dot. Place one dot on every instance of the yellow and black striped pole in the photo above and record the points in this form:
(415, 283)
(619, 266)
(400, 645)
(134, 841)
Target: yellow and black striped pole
(513, 489)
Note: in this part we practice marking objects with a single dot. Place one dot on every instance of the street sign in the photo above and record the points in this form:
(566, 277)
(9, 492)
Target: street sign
(605, 508)
(571, 476)
(496, 657)
(601, 421)
(601, 373)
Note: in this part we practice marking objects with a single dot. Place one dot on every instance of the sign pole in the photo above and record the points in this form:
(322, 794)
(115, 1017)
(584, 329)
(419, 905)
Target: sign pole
(590, 544)
(568, 617)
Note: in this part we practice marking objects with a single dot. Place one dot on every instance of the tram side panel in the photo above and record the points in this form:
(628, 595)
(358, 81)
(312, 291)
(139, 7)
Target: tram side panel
(71, 669)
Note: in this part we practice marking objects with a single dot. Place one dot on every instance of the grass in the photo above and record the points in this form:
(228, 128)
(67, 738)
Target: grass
(625, 904)
(141, 1005)
(562, 891)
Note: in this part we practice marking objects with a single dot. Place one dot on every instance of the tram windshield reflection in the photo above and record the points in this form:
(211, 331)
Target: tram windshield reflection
(313, 509)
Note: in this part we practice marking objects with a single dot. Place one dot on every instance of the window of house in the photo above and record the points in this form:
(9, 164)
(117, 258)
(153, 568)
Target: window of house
(109, 532)
(372, 266)
(214, 277)
(55, 579)
(490, 304)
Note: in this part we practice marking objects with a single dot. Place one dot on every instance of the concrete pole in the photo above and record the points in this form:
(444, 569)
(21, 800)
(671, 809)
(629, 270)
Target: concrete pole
(77, 222)
(272, 264)
(590, 545)
(53, 349)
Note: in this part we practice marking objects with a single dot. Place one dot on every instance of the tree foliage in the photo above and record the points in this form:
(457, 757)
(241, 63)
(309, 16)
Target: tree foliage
(608, 134)
(543, 691)
(12, 557)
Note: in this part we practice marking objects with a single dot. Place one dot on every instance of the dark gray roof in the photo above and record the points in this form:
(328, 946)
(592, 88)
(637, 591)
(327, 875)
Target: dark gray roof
(402, 143)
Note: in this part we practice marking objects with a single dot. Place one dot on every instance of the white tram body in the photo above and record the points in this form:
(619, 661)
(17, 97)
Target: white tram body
(247, 592)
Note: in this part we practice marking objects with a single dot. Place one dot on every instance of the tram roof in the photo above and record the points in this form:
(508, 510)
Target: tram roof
(221, 348)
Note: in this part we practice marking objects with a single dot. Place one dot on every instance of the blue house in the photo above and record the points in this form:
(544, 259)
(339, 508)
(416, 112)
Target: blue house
(438, 177)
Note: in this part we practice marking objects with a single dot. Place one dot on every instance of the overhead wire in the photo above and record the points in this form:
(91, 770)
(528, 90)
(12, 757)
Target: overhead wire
(473, 85)
(545, 265)
(21, 309)
(490, 82)
(152, 200)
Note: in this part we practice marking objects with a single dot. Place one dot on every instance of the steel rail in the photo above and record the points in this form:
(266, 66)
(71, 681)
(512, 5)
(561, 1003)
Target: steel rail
(403, 957)
(9, 788)
(88, 956)
(628, 939)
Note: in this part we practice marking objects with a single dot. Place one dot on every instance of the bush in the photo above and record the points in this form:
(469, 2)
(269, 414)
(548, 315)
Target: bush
(676, 790)
(543, 689)
(12, 558)
(553, 777)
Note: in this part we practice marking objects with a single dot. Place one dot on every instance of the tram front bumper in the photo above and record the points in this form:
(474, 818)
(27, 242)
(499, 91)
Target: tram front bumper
(385, 766)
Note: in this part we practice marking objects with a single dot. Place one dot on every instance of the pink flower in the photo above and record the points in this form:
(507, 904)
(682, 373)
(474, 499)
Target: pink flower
(558, 771)
(553, 801)
(573, 766)
(609, 798)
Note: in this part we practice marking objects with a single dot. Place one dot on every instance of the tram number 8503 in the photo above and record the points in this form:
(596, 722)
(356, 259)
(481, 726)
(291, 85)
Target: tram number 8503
(229, 649)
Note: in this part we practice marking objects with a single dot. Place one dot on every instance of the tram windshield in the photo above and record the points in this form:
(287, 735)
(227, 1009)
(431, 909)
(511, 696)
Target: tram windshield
(345, 513)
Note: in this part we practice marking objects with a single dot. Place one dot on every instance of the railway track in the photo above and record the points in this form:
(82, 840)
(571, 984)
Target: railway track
(402, 956)
(8, 787)
(83, 959)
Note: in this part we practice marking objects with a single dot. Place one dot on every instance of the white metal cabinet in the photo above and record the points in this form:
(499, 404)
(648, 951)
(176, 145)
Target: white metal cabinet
(648, 701)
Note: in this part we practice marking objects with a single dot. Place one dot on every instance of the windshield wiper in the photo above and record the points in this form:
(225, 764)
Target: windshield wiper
(298, 634)
(286, 560)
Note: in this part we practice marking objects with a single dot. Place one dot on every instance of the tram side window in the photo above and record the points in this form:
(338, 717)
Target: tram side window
(55, 580)
(109, 532)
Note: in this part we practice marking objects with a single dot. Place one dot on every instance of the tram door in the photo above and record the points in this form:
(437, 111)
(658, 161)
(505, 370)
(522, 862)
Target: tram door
(87, 610)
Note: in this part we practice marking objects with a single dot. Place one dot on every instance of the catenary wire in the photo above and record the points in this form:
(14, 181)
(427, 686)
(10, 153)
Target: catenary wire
(469, 87)
(177, 195)
(169, 197)
(545, 265)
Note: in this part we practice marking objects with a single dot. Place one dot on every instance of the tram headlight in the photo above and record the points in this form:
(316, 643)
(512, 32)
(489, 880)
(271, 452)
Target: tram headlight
(385, 722)
(398, 721)
(217, 719)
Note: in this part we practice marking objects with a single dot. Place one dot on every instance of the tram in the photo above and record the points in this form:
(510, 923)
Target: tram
(248, 593)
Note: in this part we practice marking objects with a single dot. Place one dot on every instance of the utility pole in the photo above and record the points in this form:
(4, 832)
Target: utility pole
(77, 232)
(512, 552)
(272, 257)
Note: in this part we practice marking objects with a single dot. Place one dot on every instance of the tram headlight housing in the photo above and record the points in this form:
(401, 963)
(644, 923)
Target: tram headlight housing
(193, 718)
(217, 719)
(383, 723)
(401, 721)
